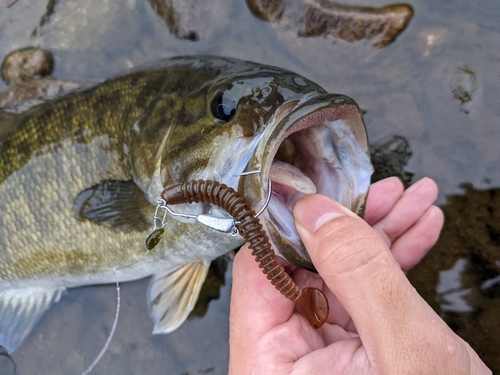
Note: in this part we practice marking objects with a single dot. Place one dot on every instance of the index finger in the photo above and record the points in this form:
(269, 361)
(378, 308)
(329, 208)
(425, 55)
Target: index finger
(382, 196)
(256, 306)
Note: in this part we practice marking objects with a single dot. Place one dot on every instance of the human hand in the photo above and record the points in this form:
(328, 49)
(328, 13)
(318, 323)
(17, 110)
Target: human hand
(407, 221)
(378, 324)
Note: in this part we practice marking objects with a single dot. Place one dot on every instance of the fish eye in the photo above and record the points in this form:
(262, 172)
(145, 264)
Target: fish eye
(223, 109)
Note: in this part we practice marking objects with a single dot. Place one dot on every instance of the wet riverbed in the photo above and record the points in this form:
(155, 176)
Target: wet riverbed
(436, 85)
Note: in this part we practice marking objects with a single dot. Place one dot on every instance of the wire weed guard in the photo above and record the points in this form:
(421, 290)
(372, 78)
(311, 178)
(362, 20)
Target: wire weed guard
(312, 302)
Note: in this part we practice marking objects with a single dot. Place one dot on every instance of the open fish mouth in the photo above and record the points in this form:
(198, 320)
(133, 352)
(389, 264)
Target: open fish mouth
(316, 146)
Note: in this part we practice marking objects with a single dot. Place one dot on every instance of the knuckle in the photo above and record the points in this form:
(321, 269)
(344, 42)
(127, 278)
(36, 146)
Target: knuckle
(347, 246)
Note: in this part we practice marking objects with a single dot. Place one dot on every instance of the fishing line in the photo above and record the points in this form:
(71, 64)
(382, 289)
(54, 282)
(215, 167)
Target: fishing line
(312, 301)
(156, 219)
(117, 315)
(113, 328)
(221, 224)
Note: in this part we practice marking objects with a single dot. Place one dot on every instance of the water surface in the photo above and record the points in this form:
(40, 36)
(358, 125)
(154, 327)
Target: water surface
(437, 86)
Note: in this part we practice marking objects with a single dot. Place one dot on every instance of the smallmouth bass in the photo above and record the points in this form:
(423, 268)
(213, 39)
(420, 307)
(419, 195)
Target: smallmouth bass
(80, 175)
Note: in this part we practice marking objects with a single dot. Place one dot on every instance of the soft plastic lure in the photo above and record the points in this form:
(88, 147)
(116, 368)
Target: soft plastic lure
(312, 302)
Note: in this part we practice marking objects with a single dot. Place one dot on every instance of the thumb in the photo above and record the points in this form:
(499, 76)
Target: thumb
(393, 321)
(348, 254)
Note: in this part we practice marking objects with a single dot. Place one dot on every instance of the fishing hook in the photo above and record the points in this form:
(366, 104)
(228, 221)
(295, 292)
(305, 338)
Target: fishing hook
(269, 189)
(225, 225)
(312, 302)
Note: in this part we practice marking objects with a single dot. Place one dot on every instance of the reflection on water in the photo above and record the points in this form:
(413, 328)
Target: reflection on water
(459, 278)
(436, 86)
(450, 294)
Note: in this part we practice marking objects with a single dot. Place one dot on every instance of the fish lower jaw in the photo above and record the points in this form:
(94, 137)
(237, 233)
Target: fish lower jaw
(287, 189)
(325, 159)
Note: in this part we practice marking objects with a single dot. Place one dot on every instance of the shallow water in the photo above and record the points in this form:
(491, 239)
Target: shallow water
(437, 85)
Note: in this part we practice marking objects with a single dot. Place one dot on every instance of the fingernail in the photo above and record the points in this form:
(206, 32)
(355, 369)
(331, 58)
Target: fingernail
(312, 212)
(416, 185)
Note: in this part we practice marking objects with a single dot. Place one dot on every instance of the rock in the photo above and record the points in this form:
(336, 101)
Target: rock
(192, 20)
(35, 90)
(326, 18)
(463, 84)
(26, 64)
(390, 159)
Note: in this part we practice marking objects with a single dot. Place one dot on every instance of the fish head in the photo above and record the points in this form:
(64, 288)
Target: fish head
(320, 146)
(210, 123)
(231, 117)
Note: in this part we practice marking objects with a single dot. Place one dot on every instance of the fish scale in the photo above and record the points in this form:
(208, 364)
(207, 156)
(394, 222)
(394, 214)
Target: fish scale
(80, 175)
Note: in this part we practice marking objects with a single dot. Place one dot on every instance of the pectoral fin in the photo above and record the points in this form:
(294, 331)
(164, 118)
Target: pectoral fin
(20, 311)
(116, 204)
(173, 294)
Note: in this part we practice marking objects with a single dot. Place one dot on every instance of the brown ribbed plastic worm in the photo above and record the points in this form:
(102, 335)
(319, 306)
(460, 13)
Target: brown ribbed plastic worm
(312, 302)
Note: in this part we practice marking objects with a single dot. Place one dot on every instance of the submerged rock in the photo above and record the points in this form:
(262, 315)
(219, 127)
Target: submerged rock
(390, 159)
(463, 84)
(26, 64)
(326, 18)
(36, 90)
(192, 20)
